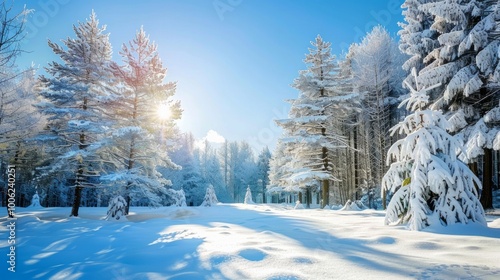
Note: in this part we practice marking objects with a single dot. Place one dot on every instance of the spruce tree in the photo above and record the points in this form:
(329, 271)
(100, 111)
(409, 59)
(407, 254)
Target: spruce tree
(76, 93)
(308, 133)
(430, 184)
(144, 118)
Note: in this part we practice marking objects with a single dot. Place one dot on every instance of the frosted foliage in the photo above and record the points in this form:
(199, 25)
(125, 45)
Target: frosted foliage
(448, 11)
(210, 197)
(429, 183)
(178, 196)
(416, 39)
(478, 36)
(432, 74)
(35, 201)
(459, 82)
(457, 121)
(487, 58)
(479, 138)
(496, 141)
(452, 39)
(473, 85)
(248, 197)
(496, 73)
(493, 115)
(116, 208)
(412, 62)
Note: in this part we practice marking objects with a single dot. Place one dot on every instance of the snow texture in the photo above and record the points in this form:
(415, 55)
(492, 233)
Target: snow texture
(237, 241)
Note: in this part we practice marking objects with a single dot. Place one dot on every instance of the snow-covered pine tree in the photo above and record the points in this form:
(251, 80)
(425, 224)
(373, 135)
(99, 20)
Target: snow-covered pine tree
(307, 131)
(248, 196)
(145, 121)
(417, 40)
(179, 197)
(465, 60)
(117, 207)
(35, 201)
(210, 198)
(430, 184)
(76, 93)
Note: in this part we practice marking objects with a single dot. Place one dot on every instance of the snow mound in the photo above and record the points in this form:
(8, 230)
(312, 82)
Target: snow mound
(353, 206)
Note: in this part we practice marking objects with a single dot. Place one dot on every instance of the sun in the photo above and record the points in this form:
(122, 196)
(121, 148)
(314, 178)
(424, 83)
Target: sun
(163, 111)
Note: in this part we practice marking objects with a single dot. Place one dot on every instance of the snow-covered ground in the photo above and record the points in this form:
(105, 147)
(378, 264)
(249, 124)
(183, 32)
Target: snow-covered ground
(238, 241)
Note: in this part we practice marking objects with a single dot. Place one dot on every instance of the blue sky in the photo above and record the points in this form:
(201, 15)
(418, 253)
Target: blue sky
(233, 60)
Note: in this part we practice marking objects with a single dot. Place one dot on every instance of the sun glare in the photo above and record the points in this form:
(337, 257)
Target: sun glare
(163, 111)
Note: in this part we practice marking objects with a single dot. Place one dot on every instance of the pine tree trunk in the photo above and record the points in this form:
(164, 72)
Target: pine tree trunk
(76, 201)
(325, 193)
(356, 159)
(127, 207)
(384, 199)
(487, 193)
(79, 173)
(263, 193)
(474, 169)
(325, 184)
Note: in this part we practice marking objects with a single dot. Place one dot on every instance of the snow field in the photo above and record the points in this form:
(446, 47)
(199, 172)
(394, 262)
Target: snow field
(238, 241)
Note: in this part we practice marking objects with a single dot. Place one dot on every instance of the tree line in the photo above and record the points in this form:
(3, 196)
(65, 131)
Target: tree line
(335, 142)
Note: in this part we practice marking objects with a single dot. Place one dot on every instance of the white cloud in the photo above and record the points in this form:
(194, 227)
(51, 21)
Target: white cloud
(213, 137)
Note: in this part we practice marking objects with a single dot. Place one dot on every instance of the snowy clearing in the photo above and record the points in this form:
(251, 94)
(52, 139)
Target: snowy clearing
(238, 241)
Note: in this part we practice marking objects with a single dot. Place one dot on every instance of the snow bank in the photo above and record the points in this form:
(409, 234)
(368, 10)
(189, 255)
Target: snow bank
(241, 241)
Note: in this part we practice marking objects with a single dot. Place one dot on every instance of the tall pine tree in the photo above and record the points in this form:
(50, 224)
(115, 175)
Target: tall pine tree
(308, 132)
(76, 93)
(145, 120)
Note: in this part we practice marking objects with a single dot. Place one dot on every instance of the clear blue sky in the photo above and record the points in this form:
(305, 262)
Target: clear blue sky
(233, 60)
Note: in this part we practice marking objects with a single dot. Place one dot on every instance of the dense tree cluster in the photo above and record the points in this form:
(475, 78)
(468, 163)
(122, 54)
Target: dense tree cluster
(337, 131)
(89, 130)
(452, 48)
